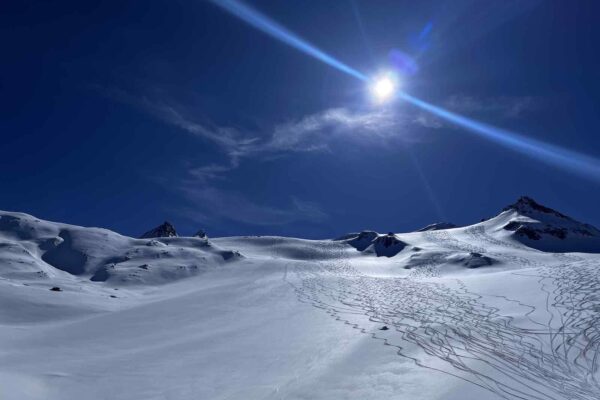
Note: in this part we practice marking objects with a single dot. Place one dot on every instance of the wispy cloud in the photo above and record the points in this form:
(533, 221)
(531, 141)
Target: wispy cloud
(427, 120)
(230, 139)
(309, 133)
(314, 132)
(206, 173)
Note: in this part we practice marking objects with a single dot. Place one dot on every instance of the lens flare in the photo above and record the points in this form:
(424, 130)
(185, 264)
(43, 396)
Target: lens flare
(403, 62)
(584, 165)
(272, 28)
(548, 153)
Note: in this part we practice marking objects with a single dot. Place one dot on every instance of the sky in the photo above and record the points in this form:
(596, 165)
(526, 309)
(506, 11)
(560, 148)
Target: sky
(125, 114)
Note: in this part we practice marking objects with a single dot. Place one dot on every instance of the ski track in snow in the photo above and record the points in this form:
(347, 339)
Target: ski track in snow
(554, 358)
(525, 325)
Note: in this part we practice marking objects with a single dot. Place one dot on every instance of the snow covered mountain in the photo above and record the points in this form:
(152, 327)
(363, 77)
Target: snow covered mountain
(371, 242)
(546, 229)
(503, 309)
(34, 249)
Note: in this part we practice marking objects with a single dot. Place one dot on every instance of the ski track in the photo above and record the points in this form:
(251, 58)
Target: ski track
(551, 359)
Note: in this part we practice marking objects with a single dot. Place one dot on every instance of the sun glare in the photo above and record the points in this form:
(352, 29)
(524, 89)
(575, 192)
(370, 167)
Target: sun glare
(383, 88)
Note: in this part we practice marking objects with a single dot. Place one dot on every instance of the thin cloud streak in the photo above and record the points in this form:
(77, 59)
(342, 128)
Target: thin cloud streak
(315, 132)
(227, 138)
(310, 133)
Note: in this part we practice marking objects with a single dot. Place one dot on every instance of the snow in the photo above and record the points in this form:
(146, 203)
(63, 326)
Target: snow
(472, 313)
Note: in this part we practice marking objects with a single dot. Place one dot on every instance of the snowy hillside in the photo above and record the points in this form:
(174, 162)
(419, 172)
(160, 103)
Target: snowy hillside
(507, 308)
(34, 249)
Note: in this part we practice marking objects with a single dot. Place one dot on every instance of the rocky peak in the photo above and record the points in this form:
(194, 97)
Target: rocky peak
(527, 206)
(362, 240)
(387, 240)
(388, 245)
(163, 230)
(537, 222)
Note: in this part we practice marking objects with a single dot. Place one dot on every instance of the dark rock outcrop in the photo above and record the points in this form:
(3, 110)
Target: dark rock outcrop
(164, 230)
(201, 234)
(526, 205)
(363, 240)
(387, 245)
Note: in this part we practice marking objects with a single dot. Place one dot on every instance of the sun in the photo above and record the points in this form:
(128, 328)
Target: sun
(383, 87)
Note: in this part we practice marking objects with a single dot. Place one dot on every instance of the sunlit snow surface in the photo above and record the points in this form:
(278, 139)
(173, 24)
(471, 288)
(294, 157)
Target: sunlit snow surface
(294, 319)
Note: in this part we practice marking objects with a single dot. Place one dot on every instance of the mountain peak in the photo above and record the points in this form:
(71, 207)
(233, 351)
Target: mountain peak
(547, 229)
(163, 230)
(526, 205)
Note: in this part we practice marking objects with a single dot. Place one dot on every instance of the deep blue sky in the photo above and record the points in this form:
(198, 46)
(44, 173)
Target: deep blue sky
(124, 114)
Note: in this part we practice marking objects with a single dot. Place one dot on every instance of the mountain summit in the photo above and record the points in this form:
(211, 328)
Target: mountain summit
(163, 230)
(527, 206)
(543, 228)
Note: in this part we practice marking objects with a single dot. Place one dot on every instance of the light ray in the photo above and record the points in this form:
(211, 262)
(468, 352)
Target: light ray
(272, 28)
(548, 153)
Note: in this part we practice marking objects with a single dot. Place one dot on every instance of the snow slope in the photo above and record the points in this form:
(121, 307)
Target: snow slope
(477, 312)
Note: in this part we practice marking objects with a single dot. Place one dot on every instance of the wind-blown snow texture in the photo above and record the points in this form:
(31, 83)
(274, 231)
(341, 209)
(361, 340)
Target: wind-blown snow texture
(504, 309)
